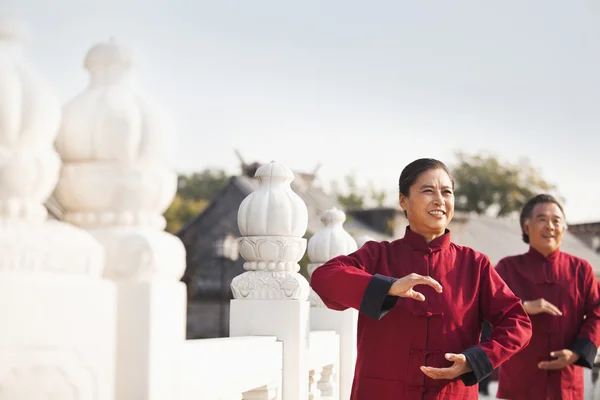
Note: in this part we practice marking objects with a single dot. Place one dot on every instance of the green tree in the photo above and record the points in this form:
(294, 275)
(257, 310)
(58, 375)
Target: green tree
(353, 197)
(194, 193)
(485, 185)
(378, 196)
(181, 211)
(201, 185)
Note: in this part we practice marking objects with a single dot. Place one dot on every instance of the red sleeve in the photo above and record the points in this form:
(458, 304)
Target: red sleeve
(587, 342)
(511, 326)
(499, 305)
(347, 282)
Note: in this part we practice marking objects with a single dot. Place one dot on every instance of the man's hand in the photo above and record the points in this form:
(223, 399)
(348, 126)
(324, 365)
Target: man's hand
(563, 357)
(403, 287)
(539, 306)
(460, 366)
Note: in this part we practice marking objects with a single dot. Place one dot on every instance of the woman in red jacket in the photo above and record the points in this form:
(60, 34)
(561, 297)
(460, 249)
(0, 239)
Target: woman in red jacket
(422, 301)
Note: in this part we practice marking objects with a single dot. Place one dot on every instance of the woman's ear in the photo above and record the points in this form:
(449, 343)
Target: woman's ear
(403, 201)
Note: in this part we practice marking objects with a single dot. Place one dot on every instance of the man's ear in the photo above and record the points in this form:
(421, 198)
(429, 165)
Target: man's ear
(526, 226)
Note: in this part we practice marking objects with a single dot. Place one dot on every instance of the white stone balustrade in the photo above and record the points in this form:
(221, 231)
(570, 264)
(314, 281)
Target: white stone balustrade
(273, 221)
(58, 322)
(327, 384)
(116, 183)
(329, 242)
(244, 368)
(105, 163)
(313, 379)
(323, 359)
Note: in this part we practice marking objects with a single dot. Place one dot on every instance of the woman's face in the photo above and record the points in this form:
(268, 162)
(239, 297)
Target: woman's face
(430, 203)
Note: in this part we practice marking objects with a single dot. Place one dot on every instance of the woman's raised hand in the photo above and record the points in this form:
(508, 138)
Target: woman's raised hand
(404, 287)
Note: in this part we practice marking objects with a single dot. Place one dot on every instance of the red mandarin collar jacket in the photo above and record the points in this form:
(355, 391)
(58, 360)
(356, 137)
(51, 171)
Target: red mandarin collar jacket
(569, 283)
(397, 335)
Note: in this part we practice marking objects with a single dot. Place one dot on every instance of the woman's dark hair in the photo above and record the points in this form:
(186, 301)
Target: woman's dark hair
(528, 210)
(412, 171)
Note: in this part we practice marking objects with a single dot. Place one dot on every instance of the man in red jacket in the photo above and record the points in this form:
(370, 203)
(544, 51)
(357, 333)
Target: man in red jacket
(562, 296)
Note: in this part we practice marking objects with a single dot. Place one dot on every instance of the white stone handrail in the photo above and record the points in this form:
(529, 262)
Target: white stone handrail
(230, 368)
(323, 364)
(322, 348)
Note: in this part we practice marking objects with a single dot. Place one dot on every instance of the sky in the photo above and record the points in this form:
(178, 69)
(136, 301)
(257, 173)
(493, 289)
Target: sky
(362, 88)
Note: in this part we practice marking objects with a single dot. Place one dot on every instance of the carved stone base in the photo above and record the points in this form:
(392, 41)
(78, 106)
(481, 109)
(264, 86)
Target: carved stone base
(263, 285)
(272, 253)
(51, 246)
(141, 254)
(39, 373)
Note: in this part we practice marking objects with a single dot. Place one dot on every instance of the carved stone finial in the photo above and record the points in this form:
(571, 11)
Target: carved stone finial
(272, 220)
(116, 181)
(329, 242)
(29, 169)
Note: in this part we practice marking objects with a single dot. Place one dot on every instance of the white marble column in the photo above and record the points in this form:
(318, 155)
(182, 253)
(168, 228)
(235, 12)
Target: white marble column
(329, 242)
(57, 335)
(362, 239)
(270, 297)
(116, 183)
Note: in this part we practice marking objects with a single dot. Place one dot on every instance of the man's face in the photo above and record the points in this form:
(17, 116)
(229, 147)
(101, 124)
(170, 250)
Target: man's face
(545, 227)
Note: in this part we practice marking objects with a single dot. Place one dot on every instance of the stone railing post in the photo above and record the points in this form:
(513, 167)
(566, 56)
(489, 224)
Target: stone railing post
(116, 184)
(270, 297)
(58, 322)
(329, 242)
(362, 239)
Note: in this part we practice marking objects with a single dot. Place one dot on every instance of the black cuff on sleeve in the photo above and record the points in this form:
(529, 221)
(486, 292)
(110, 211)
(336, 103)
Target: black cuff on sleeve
(480, 363)
(376, 302)
(586, 350)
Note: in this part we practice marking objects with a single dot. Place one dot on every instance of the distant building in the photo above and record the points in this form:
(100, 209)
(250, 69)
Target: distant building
(589, 233)
(208, 276)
